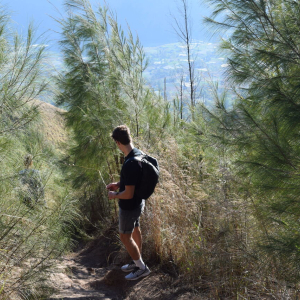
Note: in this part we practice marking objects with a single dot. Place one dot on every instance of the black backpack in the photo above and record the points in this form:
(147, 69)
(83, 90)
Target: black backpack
(150, 175)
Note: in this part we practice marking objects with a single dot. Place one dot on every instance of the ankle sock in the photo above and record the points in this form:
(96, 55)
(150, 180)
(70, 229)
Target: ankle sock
(139, 263)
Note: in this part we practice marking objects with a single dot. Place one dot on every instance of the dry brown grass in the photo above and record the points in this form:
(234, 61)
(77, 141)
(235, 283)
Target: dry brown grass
(53, 124)
(201, 232)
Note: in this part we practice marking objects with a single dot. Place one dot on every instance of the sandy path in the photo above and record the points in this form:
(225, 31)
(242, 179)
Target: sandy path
(78, 282)
(93, 273)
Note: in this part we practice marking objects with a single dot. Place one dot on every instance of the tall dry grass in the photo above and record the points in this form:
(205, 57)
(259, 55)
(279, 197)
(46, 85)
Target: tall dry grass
(201, 228)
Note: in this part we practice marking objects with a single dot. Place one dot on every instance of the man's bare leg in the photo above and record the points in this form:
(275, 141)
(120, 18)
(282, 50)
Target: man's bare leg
(137, 237)
(130, 245)
(133, 249)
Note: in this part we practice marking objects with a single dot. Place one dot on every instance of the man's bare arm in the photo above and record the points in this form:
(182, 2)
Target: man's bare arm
(125, 195)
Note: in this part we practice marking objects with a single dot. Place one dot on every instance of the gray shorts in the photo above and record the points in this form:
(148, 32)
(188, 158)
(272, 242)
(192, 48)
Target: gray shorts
(129, 219)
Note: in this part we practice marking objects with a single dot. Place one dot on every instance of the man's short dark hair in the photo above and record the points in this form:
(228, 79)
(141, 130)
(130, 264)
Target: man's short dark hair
(122, 134)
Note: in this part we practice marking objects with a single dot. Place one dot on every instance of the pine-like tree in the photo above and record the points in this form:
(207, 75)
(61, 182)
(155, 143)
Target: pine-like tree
(22, 69)
(102, 86)
(30, 238)
(263, 127)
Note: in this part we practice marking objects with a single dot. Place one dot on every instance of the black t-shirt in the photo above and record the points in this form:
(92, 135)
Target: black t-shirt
(130, 175)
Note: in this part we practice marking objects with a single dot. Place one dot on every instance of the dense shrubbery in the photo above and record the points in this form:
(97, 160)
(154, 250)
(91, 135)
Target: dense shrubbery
(32, 234)
(261, 131)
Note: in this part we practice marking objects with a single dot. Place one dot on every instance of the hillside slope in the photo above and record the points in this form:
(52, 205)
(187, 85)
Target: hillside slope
(53, 124)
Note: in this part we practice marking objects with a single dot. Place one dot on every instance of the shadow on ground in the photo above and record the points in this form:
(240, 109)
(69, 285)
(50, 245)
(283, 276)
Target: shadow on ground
(93, 273)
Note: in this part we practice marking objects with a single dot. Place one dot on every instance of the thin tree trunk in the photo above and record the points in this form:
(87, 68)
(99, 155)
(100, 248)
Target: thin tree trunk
(183, 31)
(165, 89)
(181, 97)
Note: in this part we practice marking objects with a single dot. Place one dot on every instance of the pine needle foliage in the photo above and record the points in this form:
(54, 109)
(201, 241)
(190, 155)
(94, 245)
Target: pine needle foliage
(31, 237)
(102, 87)
(262, 129)
(22, 80)
(90, 93)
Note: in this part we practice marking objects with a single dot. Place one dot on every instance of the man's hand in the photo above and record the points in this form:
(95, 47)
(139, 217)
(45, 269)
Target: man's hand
(112, 195)
(113, 186)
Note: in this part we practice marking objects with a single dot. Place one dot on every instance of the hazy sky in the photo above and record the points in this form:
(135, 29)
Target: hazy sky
(150, 19)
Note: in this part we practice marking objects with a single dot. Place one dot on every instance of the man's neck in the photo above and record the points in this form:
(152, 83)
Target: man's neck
(127, 148)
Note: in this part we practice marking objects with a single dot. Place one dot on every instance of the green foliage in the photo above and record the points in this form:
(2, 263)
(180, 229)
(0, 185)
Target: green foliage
(102, 87)
(32, 236)
(90, 93)
(22, 80)
(262, 128)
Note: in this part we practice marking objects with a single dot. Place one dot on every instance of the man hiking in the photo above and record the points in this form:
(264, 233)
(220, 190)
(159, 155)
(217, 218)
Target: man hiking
(130, 205)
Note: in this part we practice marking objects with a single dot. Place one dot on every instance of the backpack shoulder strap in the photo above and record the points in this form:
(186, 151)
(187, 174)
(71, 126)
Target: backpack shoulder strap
(137, 157)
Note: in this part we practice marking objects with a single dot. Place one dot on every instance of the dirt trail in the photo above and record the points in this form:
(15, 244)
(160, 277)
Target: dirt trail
(75, 281)
(78, 282)
(94, 274)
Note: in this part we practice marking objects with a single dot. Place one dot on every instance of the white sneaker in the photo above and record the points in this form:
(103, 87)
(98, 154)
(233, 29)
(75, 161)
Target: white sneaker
(129, 267)
(138, 273)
